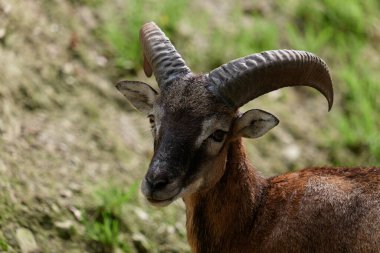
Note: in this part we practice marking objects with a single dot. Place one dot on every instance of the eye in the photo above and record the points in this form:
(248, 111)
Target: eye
(151, 119)
(218, 135)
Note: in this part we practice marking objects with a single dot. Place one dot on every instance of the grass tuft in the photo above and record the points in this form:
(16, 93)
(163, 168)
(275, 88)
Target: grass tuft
(103, 224)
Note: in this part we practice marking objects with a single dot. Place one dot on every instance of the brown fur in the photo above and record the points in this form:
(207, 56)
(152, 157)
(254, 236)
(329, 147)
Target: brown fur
(198, 156)
(312, 210)
(190, 94)
(229, 206)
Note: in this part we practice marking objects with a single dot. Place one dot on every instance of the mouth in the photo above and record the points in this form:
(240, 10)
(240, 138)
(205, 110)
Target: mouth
(180, 192)
(163, 202)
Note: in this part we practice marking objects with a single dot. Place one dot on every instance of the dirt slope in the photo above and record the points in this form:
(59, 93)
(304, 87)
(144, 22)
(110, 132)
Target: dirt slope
(65, 132)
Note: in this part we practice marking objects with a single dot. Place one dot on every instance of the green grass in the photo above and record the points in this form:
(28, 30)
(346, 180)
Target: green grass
(3, 245)
(339, 31)
(359, 125)
(103, 223)
(122, 34)
(121, 31)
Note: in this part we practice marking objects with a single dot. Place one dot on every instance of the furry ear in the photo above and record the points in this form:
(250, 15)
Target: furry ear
(254, 123)
(139, 94)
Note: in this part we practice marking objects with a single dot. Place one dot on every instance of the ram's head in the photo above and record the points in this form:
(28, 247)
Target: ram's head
(195, 116)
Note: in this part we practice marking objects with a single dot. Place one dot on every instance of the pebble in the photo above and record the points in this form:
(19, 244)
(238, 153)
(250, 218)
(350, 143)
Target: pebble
(77, 214)
(88, 17)
(7, 8)
(142, 214)
(292, 152)
(68, 68)
(66, 193)
(65, 228)
(118, 250)
(55, 208)
(64, 224)
(141, 243)
(2, 33)
(26, 241)
(170, 229)
(3, 168)
(101, 61)
(74, 187)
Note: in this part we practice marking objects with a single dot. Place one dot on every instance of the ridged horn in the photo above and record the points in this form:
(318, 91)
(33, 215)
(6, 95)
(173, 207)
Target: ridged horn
(160, 56)
(247, 78)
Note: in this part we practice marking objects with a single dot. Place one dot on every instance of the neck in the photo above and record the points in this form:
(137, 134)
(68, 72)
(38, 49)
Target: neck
(228, 209)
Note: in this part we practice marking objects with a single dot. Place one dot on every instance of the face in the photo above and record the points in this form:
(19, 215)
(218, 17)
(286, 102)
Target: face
(191, 129)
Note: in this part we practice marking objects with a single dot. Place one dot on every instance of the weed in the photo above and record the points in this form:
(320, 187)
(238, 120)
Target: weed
(103, 224)
(121, 32)
(113, 198)
(3, 245)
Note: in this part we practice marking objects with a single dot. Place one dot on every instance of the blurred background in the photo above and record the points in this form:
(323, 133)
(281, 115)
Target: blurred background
(73, 151)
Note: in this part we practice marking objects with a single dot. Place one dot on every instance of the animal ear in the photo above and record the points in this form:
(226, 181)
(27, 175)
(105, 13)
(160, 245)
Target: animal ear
(139, 94)
(254, 123)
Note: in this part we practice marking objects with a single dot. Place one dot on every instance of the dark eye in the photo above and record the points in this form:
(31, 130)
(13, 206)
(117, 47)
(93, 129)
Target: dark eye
(218, 135)
(151, 119)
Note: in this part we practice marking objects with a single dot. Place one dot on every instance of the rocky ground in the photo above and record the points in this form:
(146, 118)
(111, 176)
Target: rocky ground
(66, 134)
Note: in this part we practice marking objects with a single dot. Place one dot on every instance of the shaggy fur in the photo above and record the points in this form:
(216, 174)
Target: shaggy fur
(198, 156)
(312, 210)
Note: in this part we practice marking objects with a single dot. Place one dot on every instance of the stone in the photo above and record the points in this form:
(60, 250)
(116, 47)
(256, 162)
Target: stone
(66, 193)
(141, 243)
(26, 241)
(76, 213)
(292, 152)
(3, 168)
(65, 229)
(7, 8)
(2, 33)
(142, 214)
(74, 187)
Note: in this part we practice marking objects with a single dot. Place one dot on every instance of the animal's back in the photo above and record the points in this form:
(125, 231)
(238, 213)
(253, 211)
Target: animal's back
(320, 210)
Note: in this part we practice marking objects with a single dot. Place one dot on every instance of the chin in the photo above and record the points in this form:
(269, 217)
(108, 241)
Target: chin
(160, 203)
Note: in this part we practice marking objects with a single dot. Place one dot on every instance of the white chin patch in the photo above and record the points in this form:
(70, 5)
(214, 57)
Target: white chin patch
(161, 203)
(193, 187)
(190, 189)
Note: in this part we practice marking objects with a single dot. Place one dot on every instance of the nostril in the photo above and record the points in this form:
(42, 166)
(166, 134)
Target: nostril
(157, 183)
(160, 184)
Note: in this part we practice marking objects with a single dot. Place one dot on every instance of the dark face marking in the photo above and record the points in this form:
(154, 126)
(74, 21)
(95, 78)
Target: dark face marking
(185, 115)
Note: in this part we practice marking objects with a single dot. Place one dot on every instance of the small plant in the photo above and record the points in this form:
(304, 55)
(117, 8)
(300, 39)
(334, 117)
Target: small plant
(113, 198)
(103, 229)
(3, 245)
(121, 31)
(103, 224)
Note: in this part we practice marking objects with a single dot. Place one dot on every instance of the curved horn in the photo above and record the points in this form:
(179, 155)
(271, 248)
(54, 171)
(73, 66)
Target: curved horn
(244, 79)
(160, 55)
